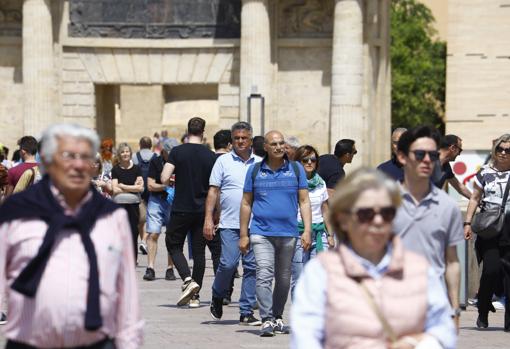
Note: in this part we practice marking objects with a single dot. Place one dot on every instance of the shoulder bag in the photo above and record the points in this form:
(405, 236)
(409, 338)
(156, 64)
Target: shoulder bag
(489, 222)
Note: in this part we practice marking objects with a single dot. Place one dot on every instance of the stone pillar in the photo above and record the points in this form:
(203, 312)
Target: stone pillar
(255, 76)
(347, 76)
(38, 70)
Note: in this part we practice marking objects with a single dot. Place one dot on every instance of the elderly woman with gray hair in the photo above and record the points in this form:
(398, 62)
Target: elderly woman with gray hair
(491, 188)
(369, 292)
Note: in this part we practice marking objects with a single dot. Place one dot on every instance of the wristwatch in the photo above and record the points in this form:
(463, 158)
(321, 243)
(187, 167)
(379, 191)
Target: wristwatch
(457, 312)
(467, 223)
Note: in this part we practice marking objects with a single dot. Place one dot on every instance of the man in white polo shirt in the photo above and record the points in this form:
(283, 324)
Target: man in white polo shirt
(226, 182)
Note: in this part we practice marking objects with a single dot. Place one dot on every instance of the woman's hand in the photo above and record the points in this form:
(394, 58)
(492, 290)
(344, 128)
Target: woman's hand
(468, 232)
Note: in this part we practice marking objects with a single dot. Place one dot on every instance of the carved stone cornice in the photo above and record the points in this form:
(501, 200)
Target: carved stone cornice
(305, 18)
(157, 19)
(10, 18)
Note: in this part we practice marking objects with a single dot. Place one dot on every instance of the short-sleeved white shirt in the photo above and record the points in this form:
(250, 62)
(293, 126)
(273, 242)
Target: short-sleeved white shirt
(317, 197)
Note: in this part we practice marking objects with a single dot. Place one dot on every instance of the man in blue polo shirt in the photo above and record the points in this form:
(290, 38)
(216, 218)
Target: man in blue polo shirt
(226, 183)
(273, 191)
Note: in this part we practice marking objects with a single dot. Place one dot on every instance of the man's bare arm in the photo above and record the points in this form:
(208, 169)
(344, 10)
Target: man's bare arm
(166, 174)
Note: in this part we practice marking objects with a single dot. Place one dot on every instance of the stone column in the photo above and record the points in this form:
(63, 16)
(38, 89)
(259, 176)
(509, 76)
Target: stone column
(347, 76)
(255, 77)
(38, 70)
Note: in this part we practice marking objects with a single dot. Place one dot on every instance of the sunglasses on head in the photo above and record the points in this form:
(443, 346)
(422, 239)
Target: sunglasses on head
(308, 159)
(500, 149)
(367, 214)
(420, 154)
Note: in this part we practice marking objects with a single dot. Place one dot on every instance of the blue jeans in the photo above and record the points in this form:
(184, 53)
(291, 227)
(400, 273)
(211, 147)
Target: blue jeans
(229, 260)
(301, 257)
(273, 256)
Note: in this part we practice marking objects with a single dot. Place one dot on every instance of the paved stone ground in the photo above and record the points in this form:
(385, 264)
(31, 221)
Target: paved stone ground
(168, 326)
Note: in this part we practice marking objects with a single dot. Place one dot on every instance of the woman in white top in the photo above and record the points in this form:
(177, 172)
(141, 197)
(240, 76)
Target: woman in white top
(322, 235)
(489, 188)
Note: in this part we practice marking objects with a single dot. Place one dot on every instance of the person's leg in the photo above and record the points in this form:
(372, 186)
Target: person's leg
(284, 250)
(248, 287)
(505, 261)
(215, 249)
(297, 265)
(176, 232)
(490, 275)
(198, 244)
(133, 212)
(155, 220)
(264, 252)
(141, 223)
(228, 261)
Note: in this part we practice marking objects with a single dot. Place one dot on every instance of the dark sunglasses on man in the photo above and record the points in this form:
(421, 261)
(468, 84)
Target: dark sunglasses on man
(420, 154)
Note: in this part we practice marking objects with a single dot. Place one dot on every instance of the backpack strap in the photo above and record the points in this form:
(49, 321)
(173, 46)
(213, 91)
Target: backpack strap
(256, 169)
(296, 170)
(139, 157)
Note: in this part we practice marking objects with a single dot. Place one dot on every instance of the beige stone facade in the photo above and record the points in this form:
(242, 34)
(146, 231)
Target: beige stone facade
(323, 74)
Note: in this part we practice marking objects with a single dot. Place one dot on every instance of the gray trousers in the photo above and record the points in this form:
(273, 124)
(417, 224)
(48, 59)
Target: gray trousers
(273, 258)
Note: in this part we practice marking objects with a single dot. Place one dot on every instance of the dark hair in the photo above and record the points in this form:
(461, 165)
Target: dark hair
(222, 139)
(408, 137)
(305, 150)
(28, 144)
(15, 156)
(344, 146)
(448, 140)
(145, 142)
(196, 126)
(258, 146)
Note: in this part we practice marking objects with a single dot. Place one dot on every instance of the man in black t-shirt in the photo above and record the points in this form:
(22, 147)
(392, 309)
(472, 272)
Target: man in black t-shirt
(450, 148)
(158, 209)
(331, 167)
(192, 164)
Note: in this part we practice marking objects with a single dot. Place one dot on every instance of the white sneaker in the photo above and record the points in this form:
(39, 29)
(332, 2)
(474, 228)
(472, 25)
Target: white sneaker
(194, 302)
(3, 319)
(189, 289)
(143, 248)
(498, 305)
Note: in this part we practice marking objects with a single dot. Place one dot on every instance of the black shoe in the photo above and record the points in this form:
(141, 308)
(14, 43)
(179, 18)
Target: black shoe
(280, 328)
(482, 323)
(143, 248)
(150, 275)
(169, 275)
(227, 300)
(3, 319)
(249, 320)
(216, 308)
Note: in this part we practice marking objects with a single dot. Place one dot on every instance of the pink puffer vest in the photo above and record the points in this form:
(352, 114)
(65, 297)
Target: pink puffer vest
(401, 294)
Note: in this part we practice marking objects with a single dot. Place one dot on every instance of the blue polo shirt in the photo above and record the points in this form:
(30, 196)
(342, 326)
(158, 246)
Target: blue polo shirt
(228, 174)
(275, 199)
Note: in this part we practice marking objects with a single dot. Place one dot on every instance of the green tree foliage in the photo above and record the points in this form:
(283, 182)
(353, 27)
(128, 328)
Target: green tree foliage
(418, 63)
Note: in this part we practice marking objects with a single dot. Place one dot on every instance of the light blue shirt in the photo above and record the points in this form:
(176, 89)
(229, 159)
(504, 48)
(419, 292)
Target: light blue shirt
(228, 174)
(309, 305)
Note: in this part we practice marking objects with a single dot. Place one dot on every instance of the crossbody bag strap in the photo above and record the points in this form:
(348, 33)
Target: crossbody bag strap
(388, 330)
(505, 195)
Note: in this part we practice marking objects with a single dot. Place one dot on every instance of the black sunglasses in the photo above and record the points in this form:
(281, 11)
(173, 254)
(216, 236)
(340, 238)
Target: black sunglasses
(459, 148)
(500, 149)
(420, 154)
(308, 159)
(367, 215)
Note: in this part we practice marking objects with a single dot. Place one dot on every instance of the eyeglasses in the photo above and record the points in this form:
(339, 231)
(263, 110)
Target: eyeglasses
(420, 154)
(308, 159)
(354, 152)
(459, 148)
(367, 215)
(500, 149)
(69, 156)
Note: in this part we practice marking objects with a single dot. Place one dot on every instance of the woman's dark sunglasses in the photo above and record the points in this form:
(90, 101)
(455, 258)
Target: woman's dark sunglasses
(308, 159)
(420, 154)
(500, 149)
(367, 215)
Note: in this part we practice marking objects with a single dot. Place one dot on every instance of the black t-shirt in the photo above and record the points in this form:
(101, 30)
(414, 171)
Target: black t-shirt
(193, 165)
(441, 174)
(331, 170)
(126, 176)
(155, 168)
